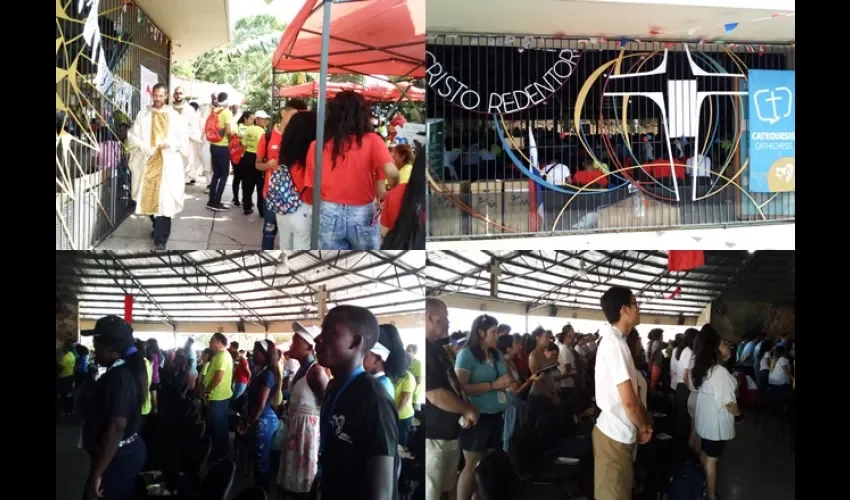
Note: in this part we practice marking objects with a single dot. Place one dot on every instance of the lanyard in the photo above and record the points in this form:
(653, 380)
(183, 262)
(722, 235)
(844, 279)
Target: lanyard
(116, 364)
(327, 411)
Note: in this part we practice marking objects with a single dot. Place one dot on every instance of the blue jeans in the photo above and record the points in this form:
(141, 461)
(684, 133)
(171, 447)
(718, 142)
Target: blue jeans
(404, 427)
(238, 389)
(119, 479)
(269, 227)
(263, 434)
(221, 171)
(348, 227)
(217, 411)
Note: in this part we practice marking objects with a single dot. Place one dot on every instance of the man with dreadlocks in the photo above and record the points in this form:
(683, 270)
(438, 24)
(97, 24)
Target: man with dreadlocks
(356, 167)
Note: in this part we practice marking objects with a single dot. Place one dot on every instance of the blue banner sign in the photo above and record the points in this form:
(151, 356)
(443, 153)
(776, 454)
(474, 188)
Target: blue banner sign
(772, 106)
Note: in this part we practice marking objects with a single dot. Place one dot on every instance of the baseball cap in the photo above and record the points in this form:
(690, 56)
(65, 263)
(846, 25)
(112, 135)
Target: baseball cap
(261, 114)
(379, 350)
(459, 341)
(112, 331)
(308, 333)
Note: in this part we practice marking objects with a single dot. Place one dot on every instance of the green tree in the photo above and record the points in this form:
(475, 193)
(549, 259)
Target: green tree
(245, 62)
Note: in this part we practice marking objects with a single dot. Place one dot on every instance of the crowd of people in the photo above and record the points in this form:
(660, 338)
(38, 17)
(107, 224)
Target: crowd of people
(373, 185)
(338, 404)
(639, 405)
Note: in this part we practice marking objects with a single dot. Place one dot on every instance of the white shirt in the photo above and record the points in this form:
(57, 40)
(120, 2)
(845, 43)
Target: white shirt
(713, 421)
(686, 362)
(777, 375)
(764, 364)
(557, 173)
(674, 371)
(703, 167)
(614, 365)
(565, 357)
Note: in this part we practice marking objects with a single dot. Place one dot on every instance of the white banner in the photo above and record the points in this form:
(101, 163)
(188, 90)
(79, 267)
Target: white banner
(148, 80)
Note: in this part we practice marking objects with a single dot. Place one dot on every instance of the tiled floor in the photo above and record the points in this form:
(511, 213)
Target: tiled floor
(753, 466)
(195, 228)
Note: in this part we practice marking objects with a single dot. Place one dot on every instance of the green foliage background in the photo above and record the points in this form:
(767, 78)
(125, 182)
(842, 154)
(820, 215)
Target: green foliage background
(245, 63)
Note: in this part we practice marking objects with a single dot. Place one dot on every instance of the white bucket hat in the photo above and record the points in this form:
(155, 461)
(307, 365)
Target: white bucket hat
(308, 333)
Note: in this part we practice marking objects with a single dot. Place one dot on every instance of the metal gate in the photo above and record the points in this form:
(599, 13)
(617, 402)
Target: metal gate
(97, 97)
(503, 103)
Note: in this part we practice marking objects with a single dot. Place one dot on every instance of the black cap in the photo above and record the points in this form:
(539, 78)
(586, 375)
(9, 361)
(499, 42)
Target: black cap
(112, 330)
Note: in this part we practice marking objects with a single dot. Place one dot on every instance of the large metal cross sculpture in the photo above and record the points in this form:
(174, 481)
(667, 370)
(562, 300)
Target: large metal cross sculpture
(684, 100)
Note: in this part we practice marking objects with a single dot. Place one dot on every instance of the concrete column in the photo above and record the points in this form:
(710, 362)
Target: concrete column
(67, 322)
(322, 302)
(494, 278)
(704, 317)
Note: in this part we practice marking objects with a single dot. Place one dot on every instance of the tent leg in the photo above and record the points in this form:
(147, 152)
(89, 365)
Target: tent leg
(320, 123)
(273, 110)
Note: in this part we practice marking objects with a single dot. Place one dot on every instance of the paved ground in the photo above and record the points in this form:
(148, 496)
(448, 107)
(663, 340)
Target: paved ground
(196, 228)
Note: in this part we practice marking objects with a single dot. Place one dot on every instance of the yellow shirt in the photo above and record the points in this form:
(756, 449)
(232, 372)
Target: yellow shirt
(252, 137)
(277, 398)
(224, 118)
(67, 362)
(416, 369)
(146, 408)
(404, 174)
(405, 384)
(223, 361)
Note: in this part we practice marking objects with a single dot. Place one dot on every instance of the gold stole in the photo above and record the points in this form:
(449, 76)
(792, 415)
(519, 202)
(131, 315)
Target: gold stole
(153, 172)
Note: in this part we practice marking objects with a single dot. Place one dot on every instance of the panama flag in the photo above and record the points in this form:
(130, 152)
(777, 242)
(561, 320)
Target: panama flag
(535, 191)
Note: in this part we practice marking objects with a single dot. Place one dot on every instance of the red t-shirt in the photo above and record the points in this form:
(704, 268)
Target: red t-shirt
(392, 205)
(583, 178)
(272, 153)
(352, 180)
(242, 372)
(297, 170)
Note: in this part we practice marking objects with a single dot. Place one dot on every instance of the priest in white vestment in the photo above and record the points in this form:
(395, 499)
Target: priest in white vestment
(158, 142)
(190, 116)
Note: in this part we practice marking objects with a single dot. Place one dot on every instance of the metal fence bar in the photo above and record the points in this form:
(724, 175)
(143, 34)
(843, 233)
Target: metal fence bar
(496, 94)
(93, 181)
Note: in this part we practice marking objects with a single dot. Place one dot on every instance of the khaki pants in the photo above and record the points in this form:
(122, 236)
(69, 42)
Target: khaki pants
(613, 472)
(441, 462)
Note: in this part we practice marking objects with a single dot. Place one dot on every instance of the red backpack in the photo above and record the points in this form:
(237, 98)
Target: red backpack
(213, 132)
(235, 149)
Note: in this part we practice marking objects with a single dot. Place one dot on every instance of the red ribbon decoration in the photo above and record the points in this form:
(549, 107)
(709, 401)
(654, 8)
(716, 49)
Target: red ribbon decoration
(128, 309)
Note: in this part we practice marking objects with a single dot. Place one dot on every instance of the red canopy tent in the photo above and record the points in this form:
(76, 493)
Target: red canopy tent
(368, 37)
(380, 92)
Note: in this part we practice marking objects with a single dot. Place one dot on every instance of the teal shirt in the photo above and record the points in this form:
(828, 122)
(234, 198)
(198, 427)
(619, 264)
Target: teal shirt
(388, 385)
(482, 373)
